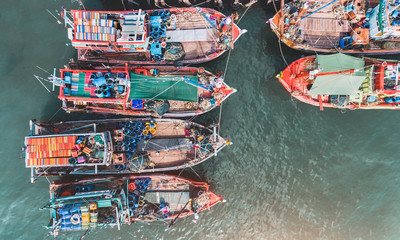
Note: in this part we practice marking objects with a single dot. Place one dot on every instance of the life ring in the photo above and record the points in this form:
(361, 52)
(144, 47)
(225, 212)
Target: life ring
(75, 219)
(109, 220)
(141, 203)
(108, 196)
(152, 130)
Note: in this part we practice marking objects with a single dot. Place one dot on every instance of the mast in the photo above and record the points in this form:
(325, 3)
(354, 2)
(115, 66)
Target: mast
(332, 73)
(282, 16)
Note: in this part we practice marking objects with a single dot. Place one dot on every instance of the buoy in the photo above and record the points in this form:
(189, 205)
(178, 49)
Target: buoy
(93, 206)
(75, 219)
(141, 203)
(131, 187)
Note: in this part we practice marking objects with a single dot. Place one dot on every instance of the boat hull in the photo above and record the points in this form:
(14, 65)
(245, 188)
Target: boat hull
(158, 153)
(116, 201)
(295, 80)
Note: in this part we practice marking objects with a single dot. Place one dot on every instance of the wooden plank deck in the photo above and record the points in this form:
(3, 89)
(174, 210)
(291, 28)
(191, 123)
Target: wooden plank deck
(193, 21)
(194, 50)
(171, 158)
(168, 129)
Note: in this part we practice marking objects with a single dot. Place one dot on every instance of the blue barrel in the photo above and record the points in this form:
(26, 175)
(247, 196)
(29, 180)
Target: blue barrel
(66, 216)
(92, 76)
(148, 181)
(167, 12)
(66, 221)
(63, 211)
(78, 188)
(87, 188)
(155, 13)
(106, 94)
(121, 75)
(99, 93)
(65, 227)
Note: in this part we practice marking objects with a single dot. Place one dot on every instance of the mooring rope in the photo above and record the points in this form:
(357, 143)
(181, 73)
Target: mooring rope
(244, 13)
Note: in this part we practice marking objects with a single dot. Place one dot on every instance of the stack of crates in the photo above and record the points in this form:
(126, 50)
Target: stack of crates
(85, 217)
(93, 214)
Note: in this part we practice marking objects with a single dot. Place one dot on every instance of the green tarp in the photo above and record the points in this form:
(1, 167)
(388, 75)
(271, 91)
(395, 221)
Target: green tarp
(163, 88)
(342, 83)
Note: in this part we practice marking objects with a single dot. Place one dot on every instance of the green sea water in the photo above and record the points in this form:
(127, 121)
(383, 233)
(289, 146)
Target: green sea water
(293, 172)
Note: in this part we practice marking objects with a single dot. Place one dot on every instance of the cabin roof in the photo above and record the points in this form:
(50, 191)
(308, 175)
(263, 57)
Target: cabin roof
(338, 83)
(175, 88)
(56, 150)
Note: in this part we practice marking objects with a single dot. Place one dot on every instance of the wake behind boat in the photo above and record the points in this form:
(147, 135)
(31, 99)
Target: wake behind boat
(347, 26)
(342, 81)
(92, 203)
(118, 146)
(159, 91)
(167, 36)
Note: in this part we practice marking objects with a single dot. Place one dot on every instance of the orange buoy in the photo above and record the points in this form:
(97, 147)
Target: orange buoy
(132, 187)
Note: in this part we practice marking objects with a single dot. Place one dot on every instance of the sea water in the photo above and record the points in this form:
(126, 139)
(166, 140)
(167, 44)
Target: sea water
(293, 171)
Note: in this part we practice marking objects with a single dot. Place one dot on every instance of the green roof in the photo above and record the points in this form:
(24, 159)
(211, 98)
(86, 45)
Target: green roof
(163, 88)
(338, 83)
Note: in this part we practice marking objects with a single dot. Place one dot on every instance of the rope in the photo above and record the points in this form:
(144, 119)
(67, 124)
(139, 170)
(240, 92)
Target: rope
(244, 14)
(220, 106)
(166, 89)
(279, 40)
(55, 113)
(280, 48)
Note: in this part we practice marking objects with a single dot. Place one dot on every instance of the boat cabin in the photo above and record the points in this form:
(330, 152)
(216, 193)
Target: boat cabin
(90, 149)
(100, 202)
(108, 30)
(385, 20)
(142, 91)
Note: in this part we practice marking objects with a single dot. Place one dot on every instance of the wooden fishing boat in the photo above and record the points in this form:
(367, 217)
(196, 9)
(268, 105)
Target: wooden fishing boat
(93, 203)
(117, 146)
(166, 91)
(347, 26)
(342, 81)
(166, 36)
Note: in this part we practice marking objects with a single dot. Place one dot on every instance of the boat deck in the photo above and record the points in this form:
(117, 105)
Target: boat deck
(322, 29)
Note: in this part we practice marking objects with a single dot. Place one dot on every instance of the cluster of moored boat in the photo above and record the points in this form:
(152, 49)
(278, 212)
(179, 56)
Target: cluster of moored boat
(130, 63)
(358, 27)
